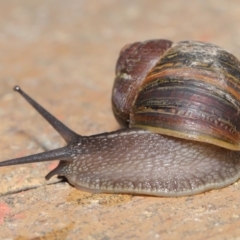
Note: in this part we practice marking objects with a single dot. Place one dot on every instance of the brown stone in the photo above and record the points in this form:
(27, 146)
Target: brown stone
(63, 54)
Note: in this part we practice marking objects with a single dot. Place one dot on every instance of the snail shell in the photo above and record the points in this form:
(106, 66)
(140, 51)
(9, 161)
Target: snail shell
(179, 103)
(188, 89)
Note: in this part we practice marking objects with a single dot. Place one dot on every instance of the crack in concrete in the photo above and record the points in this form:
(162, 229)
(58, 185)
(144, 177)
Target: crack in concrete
(28, 188)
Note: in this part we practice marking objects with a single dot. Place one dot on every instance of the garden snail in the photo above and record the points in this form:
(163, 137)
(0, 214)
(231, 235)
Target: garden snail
(181, 105)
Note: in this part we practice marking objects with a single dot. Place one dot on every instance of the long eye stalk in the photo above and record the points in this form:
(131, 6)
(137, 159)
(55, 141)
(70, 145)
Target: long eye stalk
(68, 135)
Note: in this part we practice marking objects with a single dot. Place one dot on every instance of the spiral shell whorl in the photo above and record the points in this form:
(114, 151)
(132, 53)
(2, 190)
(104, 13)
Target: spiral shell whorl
(134, 63)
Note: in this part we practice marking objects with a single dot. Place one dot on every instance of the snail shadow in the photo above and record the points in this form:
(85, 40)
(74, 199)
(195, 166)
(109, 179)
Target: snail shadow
(33, 138)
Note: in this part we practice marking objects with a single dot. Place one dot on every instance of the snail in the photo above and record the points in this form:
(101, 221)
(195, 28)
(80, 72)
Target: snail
(179, 106)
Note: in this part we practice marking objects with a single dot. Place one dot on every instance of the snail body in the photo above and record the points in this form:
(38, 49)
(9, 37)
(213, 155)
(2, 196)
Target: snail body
(179, 104)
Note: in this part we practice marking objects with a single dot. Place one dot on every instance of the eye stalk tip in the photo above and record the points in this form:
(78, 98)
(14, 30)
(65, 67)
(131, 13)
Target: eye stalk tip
(17, 88)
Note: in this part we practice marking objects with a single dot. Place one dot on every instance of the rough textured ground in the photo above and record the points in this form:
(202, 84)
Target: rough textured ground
(63, 53)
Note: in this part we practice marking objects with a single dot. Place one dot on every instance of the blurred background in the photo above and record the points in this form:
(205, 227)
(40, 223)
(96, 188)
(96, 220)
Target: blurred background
(63, 53)
(66, 51)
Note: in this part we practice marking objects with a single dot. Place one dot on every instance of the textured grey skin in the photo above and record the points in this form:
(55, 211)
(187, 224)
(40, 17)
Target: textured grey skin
(140, 162)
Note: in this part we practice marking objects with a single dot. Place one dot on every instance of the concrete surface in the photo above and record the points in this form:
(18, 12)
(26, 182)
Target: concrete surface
(63, 53)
